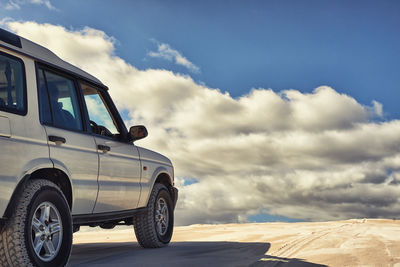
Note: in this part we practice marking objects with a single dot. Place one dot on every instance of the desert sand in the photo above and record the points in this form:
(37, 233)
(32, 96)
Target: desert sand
(364, 242)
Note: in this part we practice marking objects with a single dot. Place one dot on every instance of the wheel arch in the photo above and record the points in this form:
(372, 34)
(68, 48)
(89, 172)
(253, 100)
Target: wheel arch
(164, 178)
(57, 176)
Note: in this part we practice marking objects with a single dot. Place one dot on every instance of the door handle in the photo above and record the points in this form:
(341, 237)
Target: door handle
(103, 148)
(57, 139)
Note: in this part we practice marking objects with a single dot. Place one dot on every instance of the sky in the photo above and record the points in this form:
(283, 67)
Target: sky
(352, 46)
(269, 110)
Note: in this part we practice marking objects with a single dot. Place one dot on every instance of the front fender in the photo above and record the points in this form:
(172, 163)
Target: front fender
(147, 184)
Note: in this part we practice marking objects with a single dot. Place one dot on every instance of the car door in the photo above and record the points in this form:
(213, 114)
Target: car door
(72, 148)
(120, 167)
(23, 142)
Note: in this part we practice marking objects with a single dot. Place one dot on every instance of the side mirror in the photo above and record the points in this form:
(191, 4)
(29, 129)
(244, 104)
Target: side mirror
(138, 132)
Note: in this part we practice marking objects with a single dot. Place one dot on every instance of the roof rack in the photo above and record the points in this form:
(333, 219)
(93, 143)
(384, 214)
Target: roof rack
(43, 55)
(10, 38)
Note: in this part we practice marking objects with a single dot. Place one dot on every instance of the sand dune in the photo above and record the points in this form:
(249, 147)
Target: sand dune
(339, 243)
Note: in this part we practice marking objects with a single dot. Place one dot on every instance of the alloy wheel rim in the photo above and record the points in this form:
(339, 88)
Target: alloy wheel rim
(161, 216)
(47, 231)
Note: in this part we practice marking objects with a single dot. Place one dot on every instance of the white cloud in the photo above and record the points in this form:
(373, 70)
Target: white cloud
(11, 5)
(314, 156)
(166, 52)
(16, 4)
(377, 108)
(3, 21)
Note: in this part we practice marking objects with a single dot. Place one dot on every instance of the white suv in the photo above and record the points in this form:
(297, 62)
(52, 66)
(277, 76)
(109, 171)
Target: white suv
(68, 160)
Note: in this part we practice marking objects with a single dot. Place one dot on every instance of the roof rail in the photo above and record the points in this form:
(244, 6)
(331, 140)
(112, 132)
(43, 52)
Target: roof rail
(43, 55)
(10, 38)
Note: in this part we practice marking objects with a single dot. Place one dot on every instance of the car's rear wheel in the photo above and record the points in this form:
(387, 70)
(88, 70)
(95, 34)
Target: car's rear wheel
(39, 233)
(154, 227)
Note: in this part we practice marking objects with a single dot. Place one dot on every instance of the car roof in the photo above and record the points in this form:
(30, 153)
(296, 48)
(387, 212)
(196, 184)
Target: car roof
(41, 54)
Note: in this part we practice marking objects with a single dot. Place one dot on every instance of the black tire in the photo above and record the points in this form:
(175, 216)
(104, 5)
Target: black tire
(147, 230)
(17, 235)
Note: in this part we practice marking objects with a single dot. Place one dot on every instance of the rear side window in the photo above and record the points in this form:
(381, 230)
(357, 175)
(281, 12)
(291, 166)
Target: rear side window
(12, 85)
(59, 104)
(44, 101)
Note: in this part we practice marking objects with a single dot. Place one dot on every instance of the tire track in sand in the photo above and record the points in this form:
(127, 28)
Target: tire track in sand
(290, 249)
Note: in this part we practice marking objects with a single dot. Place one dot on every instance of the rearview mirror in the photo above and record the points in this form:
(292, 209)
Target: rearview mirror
(138, 132)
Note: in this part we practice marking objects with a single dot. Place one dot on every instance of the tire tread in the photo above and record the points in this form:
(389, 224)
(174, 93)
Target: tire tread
(144, 224)
(13, 252)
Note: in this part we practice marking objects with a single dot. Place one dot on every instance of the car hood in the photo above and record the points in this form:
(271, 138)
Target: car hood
(147, 154)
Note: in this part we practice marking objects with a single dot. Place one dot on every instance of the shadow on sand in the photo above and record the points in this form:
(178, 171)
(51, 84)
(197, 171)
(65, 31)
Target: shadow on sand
(190, 254)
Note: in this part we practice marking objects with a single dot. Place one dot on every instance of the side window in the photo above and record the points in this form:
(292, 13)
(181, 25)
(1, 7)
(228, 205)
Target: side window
(101, 119)
(44, 104)
(12, 85)
(59, 103)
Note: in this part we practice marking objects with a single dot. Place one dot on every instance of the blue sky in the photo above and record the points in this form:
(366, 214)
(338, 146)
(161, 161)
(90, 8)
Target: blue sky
(352, 46)
(303, 154)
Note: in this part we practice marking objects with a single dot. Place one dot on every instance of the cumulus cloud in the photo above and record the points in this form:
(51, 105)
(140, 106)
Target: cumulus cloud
(165, 51)
(16, 4)
(309, 156)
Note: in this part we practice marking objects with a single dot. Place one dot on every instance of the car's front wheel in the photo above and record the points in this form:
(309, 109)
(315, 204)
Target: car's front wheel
(154, 227)
(39, 233)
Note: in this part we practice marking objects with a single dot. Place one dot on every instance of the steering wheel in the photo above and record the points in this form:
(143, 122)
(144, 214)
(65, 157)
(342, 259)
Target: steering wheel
(93, 123)
(94, 126)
